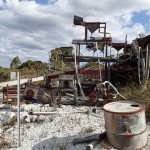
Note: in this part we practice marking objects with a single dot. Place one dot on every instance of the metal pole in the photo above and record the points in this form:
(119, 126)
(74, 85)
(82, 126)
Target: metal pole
(7, 92)
(18, 109)
(3, 94)
(106, 63)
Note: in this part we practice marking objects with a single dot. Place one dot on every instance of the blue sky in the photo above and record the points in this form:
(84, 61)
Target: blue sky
(43, 2)
(30, 29)
(143, 18)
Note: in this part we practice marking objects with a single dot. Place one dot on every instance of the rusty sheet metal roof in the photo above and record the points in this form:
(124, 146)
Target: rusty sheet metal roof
(142, 42)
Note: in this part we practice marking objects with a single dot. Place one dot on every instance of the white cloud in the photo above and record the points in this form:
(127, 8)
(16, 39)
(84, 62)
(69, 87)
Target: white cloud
(1, 3)
(30, 30)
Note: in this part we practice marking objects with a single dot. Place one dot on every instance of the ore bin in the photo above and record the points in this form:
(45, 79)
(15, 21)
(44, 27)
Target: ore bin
(125, 125)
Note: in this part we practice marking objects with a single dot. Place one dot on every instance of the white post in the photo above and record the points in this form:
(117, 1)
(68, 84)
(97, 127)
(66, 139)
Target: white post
(18, 109)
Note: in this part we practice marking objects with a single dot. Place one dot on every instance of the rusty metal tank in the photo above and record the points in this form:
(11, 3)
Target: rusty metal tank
(125, 125)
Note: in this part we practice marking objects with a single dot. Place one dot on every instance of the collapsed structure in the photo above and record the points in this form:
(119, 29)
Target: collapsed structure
(93, 85)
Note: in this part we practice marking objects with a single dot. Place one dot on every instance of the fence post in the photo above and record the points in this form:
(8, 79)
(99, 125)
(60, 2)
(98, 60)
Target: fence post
(7, 92)
(3, 94)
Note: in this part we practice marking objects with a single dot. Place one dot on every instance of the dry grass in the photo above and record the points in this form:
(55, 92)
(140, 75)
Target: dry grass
(63, 146)
(89, 130)
(12, 122)
(28, 73)
(4, 144)
(136, 92)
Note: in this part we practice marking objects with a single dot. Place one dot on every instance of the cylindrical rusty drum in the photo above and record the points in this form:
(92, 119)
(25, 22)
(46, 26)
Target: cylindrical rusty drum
(125, 125)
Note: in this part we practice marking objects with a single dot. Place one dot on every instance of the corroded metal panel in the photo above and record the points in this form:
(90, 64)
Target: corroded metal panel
(31, 91)
(124, 142)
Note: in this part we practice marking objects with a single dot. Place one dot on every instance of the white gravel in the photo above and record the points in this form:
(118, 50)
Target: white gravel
(58, 129)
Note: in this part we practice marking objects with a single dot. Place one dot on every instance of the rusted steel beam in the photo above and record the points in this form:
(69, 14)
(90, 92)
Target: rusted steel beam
(84, 42)
(81, 71)
(70, 58)
(143, 42)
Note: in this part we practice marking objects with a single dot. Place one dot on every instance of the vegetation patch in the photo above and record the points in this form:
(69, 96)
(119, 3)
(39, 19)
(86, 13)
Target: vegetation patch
(89, 130)
(63, 146)
(4, 144)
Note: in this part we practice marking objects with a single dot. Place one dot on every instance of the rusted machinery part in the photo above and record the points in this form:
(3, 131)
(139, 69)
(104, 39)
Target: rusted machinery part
(93, 97)
(30, 93)
(144, 42)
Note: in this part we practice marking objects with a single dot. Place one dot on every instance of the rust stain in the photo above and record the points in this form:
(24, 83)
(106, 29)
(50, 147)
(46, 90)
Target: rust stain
(129, 131)
(113, 122)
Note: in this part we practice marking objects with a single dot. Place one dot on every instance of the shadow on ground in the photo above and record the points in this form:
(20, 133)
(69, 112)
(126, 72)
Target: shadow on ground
(64, 143)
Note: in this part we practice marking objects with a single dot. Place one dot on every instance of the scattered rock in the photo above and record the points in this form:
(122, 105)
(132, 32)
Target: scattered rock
(40, 118)
(27, 119)
(1, 131)
(33, 118)
(24, 117)
(7, 118)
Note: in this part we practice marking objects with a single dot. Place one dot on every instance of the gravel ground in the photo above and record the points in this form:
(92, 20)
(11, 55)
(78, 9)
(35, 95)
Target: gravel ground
(58, 130)
(1, 97)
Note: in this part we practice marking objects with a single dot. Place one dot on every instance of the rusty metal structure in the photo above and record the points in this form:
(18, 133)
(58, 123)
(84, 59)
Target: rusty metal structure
(131, 65)
(134, 63)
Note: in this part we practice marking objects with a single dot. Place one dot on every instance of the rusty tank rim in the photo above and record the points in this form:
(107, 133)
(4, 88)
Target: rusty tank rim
(141, 107)
(130, 135)
(135, 135)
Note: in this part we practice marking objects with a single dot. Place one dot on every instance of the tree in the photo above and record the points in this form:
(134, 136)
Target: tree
(15, 63)
(31, 64)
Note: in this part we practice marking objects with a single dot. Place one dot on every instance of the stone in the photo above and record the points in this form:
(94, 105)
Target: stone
(7, 118)
(40, 118)
(27, 119)
(33, 118)
(1, 131)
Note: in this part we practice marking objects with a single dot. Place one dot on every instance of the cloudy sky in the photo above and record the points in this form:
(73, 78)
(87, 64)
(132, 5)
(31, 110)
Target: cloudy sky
(31, 28)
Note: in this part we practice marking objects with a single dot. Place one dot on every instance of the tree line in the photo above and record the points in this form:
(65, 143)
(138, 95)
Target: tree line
(27, 69)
